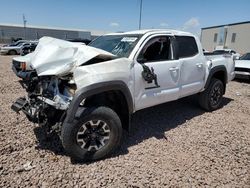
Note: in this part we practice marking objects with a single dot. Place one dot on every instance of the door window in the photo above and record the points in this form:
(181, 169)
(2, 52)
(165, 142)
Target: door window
(156, 49)
(187, 46)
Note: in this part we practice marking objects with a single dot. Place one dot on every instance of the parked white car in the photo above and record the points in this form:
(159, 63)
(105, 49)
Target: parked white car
(242, 66)
(15, 43)
(13, 50)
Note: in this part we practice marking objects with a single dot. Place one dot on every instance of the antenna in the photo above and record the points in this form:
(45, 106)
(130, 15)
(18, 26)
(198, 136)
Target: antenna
(24, 25)
(140, 15)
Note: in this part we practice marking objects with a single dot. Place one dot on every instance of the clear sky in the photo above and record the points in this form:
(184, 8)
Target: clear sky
(123, 15)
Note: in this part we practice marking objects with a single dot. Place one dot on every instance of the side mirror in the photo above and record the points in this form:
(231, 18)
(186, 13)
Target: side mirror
(141, 60)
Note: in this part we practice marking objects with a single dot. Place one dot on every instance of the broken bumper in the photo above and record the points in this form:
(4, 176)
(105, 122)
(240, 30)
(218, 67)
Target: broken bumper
(23, 105)
(20, 104)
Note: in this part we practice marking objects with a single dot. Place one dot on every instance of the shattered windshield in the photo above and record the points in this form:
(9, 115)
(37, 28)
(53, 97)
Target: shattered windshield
(119, 45)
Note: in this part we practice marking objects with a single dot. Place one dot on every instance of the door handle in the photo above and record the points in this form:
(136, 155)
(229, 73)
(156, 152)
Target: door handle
(199, 65)
(174, 68)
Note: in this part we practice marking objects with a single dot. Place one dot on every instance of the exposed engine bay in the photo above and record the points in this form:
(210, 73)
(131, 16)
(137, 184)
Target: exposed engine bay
(48, 97)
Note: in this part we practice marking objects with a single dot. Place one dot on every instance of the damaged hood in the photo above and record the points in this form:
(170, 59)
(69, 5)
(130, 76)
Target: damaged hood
(58, 57)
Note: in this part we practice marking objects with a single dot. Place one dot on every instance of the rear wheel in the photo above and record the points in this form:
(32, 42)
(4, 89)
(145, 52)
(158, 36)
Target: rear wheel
(94, 135)
(211, 98)
(12, 52)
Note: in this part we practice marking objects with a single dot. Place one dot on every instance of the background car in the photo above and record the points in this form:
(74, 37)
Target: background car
(242, 66)
(227, 51)
(15, 43)
(28, 49)
(14, 49)
(230, 52)
(80, 41)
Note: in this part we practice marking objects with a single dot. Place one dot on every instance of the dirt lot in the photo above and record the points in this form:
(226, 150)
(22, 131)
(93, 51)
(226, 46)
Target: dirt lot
(172, 145)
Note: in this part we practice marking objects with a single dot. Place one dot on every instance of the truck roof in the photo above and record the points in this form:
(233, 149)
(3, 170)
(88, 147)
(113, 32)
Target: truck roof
(153, 31)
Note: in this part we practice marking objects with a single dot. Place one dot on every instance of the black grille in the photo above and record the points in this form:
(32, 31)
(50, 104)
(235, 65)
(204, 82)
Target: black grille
(242, 69)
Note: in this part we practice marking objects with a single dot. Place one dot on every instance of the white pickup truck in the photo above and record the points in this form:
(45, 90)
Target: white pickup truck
(88, 93)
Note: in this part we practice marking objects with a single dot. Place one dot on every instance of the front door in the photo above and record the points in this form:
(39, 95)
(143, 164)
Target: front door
(157, 73)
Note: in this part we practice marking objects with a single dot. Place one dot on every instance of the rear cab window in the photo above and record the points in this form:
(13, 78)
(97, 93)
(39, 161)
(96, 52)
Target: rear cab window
(186, 46)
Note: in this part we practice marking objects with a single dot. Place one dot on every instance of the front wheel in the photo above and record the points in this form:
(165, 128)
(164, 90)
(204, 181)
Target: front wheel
(94, 135)
(211, 98)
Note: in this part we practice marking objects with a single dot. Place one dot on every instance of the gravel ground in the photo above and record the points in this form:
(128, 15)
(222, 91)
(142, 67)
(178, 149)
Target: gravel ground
(172, 145)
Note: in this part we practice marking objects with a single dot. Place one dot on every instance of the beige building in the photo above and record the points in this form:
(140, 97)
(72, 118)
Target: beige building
(9, 32)
(234, 36)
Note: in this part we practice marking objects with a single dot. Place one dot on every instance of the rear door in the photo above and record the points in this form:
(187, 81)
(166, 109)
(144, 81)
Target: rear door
(193, 64)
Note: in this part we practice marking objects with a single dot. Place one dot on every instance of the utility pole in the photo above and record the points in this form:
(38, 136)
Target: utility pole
(24, 25)
(140, 14)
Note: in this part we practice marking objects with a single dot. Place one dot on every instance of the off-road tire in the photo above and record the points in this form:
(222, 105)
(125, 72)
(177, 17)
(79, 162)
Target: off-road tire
(70, 132)
(206, 97)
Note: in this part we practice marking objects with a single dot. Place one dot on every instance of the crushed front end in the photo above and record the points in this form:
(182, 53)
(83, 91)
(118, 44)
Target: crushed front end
(48, 97)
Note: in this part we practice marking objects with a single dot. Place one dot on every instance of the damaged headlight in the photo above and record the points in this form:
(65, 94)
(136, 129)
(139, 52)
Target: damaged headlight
(23, 66)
